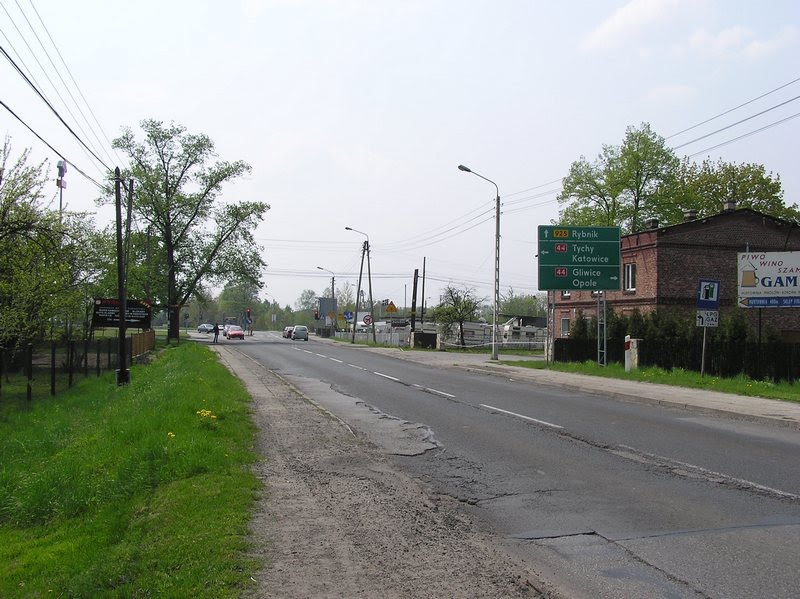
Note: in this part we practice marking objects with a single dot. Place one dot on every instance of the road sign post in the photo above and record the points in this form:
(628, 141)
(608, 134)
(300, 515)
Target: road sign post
(707, 312)
(581, 259)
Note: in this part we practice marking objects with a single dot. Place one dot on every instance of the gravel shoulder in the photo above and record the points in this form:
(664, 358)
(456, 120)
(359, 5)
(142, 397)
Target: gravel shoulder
(337, 520)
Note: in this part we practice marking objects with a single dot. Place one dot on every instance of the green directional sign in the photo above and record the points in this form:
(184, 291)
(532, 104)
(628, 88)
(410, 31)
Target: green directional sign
(600, 234)
(579, 258)
(575, 253)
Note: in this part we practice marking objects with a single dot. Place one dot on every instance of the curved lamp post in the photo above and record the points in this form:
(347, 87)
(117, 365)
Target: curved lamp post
(461, 167)
(365, 250)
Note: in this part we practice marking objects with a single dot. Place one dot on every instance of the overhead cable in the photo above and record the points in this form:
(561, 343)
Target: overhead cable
(49, 105)
(721, 114)
(771, 108)
(45, 142)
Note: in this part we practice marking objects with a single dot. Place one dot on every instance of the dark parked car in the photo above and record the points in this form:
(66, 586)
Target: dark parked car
(205, 328)
(300, 332)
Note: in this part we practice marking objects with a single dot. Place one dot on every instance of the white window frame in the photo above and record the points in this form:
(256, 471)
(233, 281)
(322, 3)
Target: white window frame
(565, 327)
(565, 294)
(629, 277)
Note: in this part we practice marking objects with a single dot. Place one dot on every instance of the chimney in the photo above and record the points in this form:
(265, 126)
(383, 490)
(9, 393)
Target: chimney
(651, 223)
(729, 205)
(689, 215)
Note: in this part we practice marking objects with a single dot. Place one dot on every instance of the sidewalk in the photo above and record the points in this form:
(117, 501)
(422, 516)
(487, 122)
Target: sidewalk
(754, 408)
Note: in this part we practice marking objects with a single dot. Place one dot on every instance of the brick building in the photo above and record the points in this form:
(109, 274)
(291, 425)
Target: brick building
(662, 267)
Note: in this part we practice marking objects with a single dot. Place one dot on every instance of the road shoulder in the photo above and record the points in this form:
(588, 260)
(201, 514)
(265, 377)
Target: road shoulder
(337, 520)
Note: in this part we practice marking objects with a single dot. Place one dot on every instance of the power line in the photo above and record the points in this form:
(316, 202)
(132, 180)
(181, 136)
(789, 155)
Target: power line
(75, 83)
(38, 88)
(771, 108)
(730, 141)
(764, 95)
(45, 142)
(49, 105)
(58, 73)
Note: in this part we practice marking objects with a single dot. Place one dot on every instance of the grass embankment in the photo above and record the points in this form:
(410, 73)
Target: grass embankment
(740, 385)
(136, 491)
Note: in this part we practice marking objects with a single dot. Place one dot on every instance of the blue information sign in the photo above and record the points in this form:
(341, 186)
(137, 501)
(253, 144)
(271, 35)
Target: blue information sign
(708, 295)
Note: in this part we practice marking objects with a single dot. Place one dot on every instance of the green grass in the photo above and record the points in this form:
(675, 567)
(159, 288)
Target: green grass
(740, 385)
(136, 491)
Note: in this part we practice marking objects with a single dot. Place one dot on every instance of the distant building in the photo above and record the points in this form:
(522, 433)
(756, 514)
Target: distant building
(661, 268)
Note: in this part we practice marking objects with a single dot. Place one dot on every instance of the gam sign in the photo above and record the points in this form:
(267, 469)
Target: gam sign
(769, 279)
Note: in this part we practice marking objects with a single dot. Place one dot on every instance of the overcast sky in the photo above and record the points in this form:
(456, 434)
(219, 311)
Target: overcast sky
(358, 112)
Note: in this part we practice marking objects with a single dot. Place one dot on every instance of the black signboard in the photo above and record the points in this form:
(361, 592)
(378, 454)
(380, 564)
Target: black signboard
(138, 313)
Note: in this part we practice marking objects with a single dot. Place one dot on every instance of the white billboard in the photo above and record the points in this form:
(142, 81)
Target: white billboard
(769, 280)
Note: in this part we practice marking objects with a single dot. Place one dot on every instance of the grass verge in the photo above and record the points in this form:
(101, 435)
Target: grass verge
(740, 385)
(143, 490)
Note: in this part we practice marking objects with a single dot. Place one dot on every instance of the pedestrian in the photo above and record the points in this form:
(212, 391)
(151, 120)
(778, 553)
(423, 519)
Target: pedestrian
(215, 330)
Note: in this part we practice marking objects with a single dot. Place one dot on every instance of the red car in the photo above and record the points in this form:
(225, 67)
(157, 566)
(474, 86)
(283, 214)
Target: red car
(235, 332)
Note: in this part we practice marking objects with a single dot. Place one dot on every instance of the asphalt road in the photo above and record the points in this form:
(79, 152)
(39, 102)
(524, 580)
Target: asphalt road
(606, 498)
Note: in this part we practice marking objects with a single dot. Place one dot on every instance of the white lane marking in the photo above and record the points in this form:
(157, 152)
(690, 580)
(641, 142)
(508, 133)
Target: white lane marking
(655, 458)
(483, 405)
(308, 352)
(335, 360)
(322, 355)
(386, 376)
(437, 392)
(434, 391)
(354, 366)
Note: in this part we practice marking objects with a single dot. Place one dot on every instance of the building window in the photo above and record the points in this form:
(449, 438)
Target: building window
(629, 278)
(565, 327)
(564, 294)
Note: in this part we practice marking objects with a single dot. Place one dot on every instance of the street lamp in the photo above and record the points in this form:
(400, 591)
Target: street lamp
(461, 167)
(333, 298)
(364, 250)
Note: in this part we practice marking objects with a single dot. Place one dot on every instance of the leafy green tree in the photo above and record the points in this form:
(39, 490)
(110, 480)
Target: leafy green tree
(643, 178)
(235, 298)
(307, 300)
(706, 187)
(46, 270)
(456, 307)
(201, 241)
(512, 304)
(625, 184)
(579, 328)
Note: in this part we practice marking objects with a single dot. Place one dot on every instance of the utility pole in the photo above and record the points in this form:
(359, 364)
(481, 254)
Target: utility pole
(414, 300)
(422, 314)
(123, 374)
(369, 278)
(358, 290)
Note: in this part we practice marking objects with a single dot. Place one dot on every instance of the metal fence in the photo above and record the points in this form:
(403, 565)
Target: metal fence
(776, 360)
(42, 369)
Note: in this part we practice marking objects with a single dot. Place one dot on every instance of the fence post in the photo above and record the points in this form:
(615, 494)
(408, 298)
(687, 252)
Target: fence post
(53, 368)
(85, 358)
(29, 371)
(71, 361)
(109, 353)
(97, 359)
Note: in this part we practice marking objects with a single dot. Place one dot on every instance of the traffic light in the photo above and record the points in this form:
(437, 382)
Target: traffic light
(248, 313)
(316, 314)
